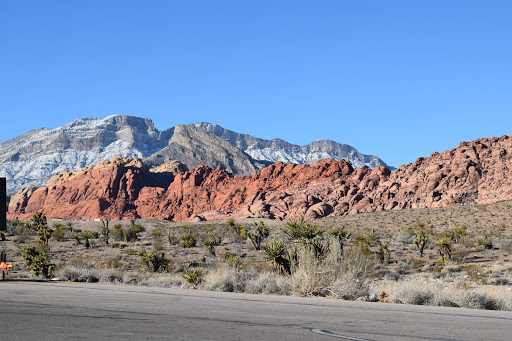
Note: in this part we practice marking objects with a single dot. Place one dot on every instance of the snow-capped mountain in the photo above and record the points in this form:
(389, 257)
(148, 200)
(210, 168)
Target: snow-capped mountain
(32, 158)
(279, 150)
(29, 160)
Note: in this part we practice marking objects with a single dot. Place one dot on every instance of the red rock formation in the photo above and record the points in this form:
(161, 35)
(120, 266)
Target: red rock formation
(474, 172)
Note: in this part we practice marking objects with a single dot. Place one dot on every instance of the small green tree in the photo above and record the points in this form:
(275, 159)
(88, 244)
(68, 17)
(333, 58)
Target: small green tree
(384, 254)
(256, 236)
(37, 262)
(484, 242)
(460, 233)
(132, 232)
(41, 225)
(422, 233)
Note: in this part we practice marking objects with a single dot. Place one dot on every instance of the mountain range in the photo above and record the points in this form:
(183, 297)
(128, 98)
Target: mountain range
(31, 159)
(475, 172)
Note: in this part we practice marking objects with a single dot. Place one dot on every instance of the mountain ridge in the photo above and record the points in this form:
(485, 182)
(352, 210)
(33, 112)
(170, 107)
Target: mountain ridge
(31, 159)
(475, 172)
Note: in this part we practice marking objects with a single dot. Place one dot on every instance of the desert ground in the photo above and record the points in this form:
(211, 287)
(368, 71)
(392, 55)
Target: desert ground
(379, 260)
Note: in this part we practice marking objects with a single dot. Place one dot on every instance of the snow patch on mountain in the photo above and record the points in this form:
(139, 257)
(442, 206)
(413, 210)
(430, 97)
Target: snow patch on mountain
(32, 170)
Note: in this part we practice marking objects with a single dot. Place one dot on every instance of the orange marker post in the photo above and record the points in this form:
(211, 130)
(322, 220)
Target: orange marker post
(5, 267)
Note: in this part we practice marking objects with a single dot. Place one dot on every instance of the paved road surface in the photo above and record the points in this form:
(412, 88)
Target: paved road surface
(67, 311)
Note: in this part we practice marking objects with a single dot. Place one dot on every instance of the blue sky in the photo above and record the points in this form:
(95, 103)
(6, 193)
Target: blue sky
(397, 79)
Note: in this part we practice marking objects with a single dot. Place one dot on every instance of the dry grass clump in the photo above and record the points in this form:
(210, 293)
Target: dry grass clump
(424, 292)
(269, 283)
(90, 275)
(229, 279)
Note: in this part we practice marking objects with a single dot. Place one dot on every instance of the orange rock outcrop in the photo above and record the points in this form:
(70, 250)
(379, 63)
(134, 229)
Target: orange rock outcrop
(474, 172)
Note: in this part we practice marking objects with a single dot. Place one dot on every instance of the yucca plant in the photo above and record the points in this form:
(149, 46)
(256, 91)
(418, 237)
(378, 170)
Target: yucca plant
(484, 242)
(193, 276)
(188, 239)
(302, 231)
(86, 235)
(275, 252)
(153, 261)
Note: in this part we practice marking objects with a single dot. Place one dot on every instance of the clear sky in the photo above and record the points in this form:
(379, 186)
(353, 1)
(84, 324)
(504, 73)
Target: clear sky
(397, 79)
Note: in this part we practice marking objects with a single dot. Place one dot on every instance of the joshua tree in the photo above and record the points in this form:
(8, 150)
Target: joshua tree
(445, 247)
(41, 225)
(260, 231)
(104, 230)
(210, 243)
(87, 235)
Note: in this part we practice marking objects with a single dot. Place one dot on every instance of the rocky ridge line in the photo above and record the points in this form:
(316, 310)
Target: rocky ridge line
(474, 172)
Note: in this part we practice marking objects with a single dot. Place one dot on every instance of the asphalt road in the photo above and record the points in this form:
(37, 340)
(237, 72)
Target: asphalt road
(67, 311)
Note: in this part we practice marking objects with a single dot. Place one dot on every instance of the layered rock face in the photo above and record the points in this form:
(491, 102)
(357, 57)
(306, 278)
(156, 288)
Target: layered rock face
(474, 172)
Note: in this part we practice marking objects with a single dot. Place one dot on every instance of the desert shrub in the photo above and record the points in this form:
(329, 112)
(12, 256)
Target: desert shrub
(269, 283)
(78, 274)
(354, 270)
(476, 273)
(307, 273)
(117, 232)
(384, 254)
(364, 240)
(340, 235)
(131, 233)
(422, 232)
(87, 235)
(111, 263)
(233, 261)
(228, 279)
(90, 275)
(76, 238)
(68, 227)
(44, 232)
(445, 248)
(58, 234)
(415, 292)
(460, 233)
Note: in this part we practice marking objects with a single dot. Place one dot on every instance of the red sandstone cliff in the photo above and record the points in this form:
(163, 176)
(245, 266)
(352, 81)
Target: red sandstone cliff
(474, 172)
